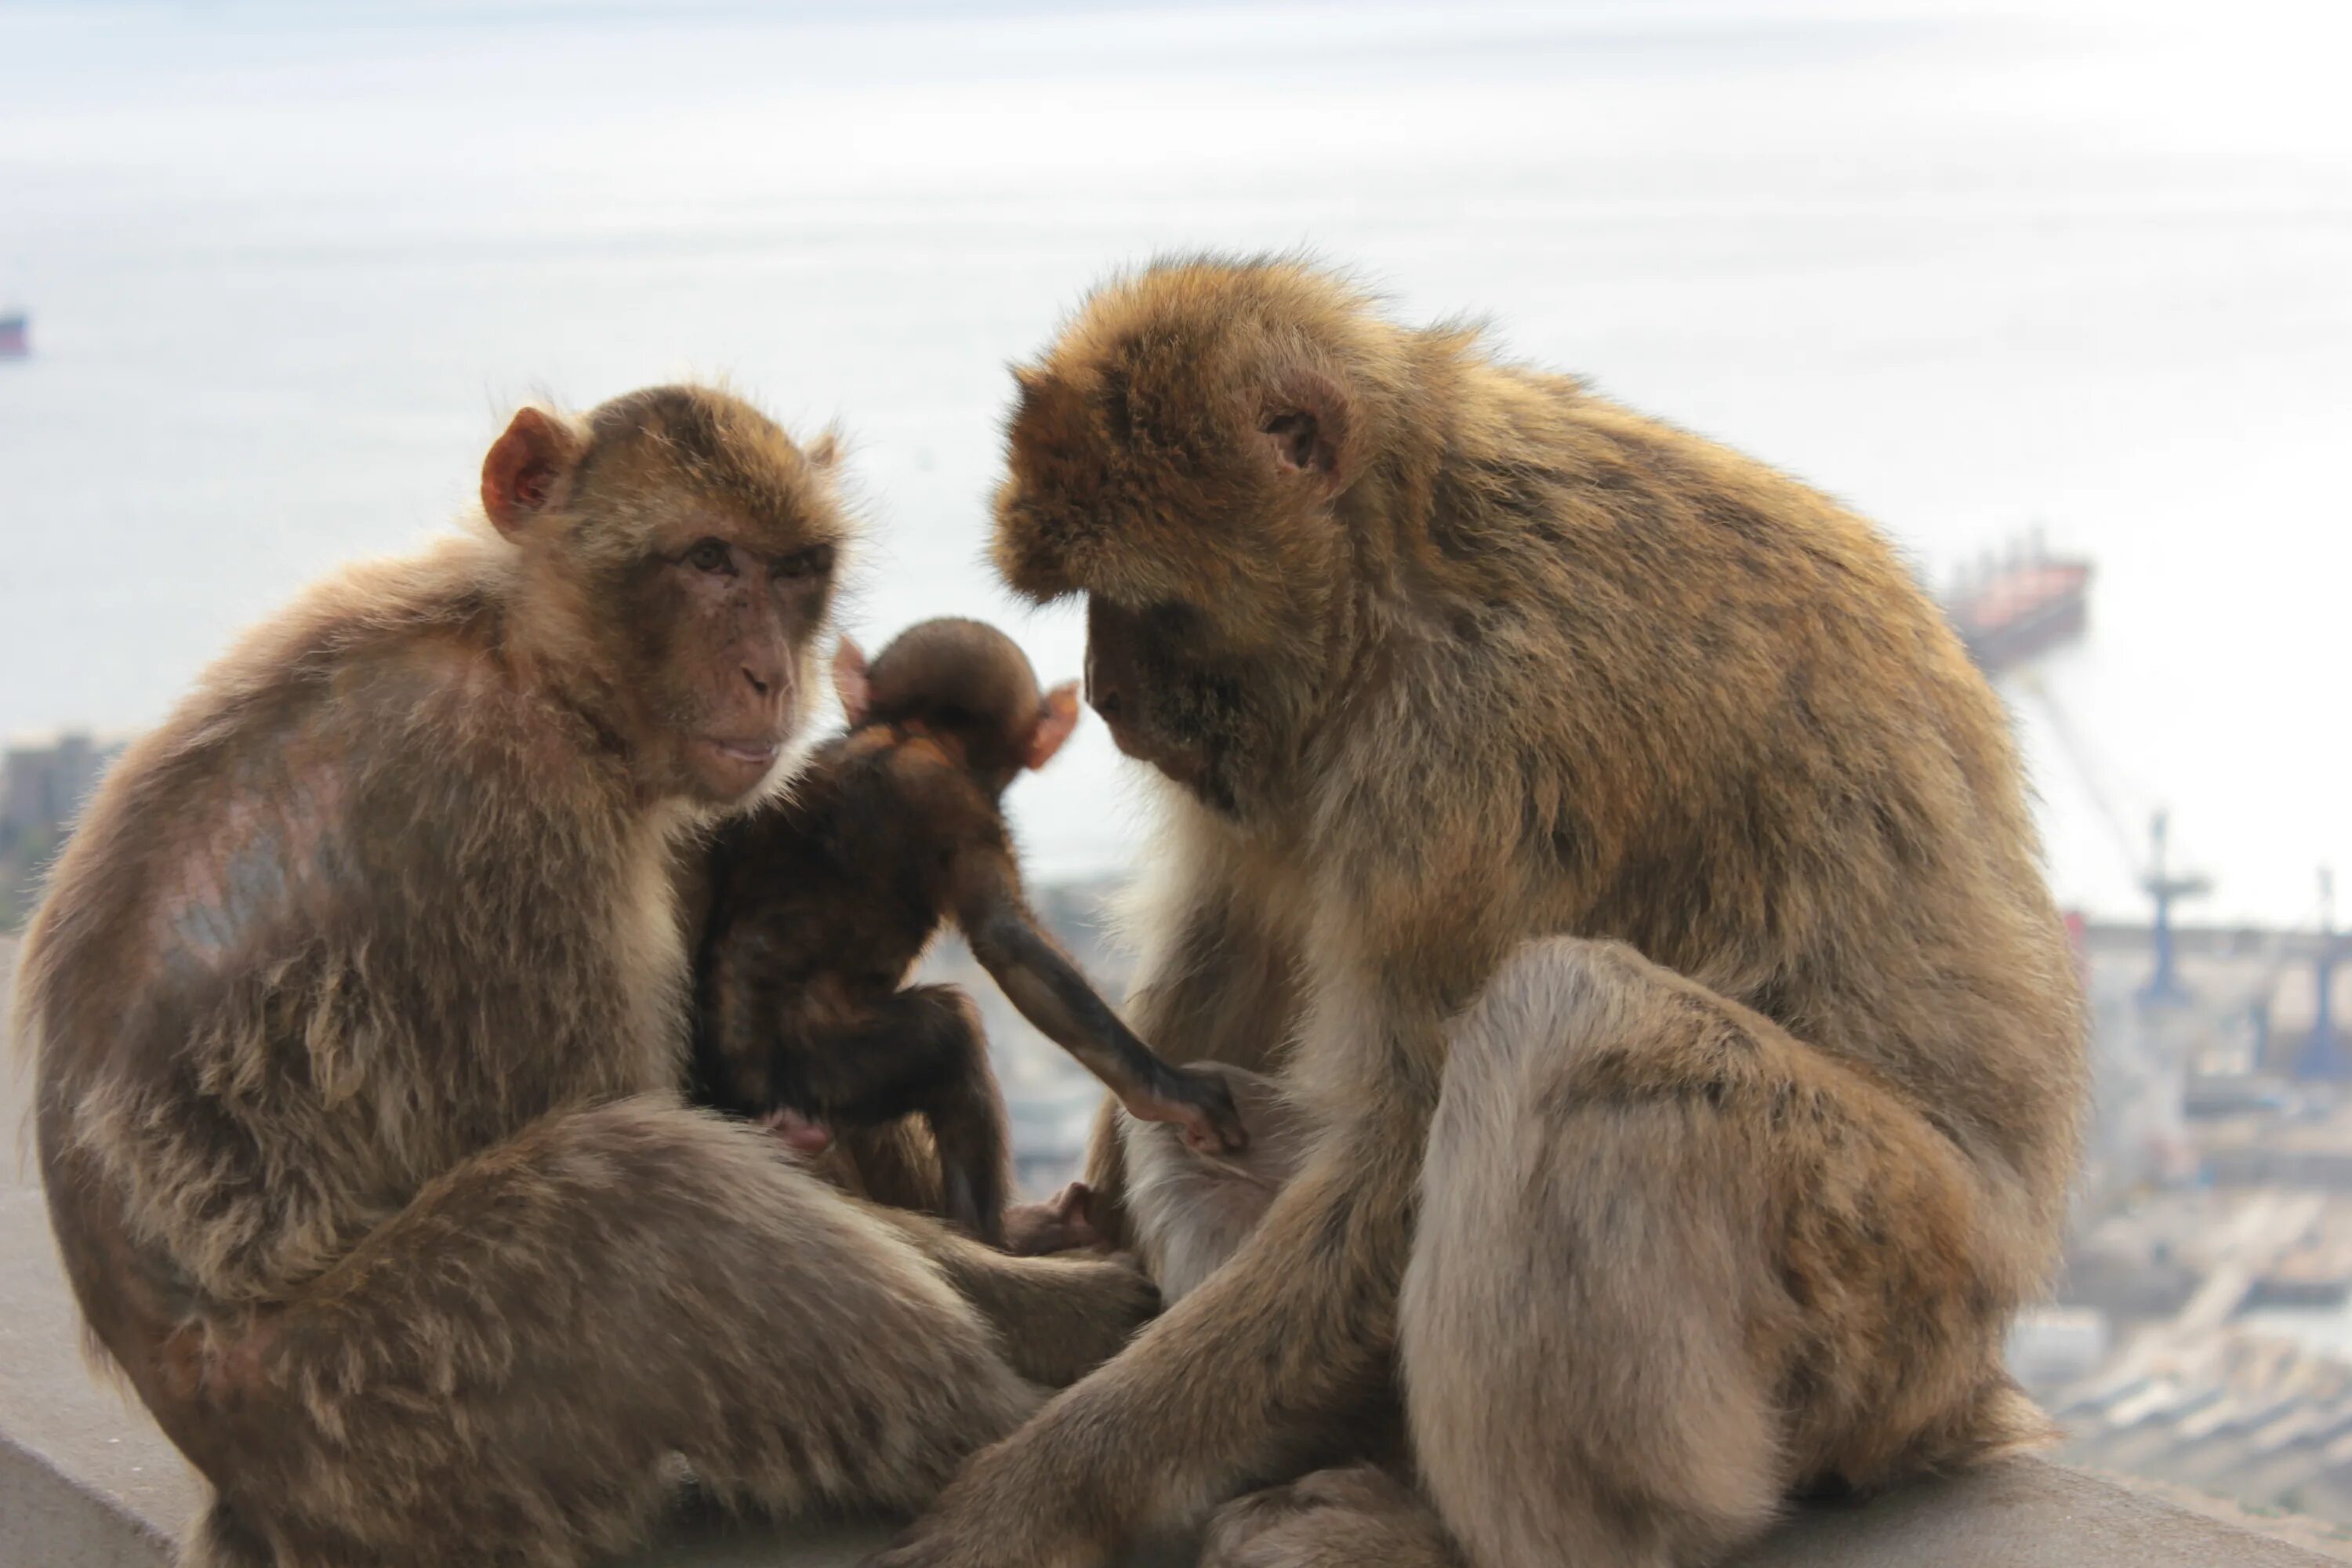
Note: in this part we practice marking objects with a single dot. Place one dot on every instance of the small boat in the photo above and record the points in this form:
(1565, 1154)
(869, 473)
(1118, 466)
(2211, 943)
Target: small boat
(16, 342)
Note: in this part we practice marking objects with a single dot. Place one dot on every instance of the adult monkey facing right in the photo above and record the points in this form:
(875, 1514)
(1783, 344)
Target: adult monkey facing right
(1642, 879)
(357, 1003)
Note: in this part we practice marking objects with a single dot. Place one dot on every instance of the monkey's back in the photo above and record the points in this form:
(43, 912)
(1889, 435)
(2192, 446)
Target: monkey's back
(1762, 758)
(841, 885)
(303, 896)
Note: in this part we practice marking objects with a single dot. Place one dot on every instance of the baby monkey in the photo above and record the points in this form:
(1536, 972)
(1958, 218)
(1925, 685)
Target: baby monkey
(822, 902)
(1189, 1208)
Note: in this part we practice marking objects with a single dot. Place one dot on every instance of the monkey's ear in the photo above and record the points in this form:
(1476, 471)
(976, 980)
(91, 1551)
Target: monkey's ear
(1056, 717)
(1305, 427)
(849, 682)
(826, 450)
(524, 467)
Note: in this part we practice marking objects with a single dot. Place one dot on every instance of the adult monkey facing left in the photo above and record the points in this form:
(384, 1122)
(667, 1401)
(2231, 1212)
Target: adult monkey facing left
(1639, 879)
(358, 1008)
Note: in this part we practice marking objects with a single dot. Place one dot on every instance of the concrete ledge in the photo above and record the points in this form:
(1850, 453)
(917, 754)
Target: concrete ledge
(46, 1518)
(2020, 1513)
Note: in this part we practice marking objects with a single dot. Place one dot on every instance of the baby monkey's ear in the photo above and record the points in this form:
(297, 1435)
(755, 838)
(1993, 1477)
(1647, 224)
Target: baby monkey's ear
(1057, 715)
(849, 682)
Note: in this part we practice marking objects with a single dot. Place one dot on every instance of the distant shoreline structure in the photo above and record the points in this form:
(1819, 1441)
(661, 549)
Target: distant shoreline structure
(16, 334)
(2010, 613)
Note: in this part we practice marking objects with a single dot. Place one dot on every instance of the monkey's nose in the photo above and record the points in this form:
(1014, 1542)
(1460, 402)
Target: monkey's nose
(1105, 700)
(762, 684)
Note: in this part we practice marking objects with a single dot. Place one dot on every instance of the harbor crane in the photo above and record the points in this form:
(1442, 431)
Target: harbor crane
(2009, 614)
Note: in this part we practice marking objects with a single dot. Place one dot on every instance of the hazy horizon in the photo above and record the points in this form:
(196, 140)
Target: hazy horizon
(1965, 268)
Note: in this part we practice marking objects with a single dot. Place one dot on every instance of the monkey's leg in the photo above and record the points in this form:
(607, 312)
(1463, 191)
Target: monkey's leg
(1057, 1317)
(895, 1164)
(1258, 1371)
(1669, 1261)
(1330, 1518)
(922, 1049)
(499, 1374)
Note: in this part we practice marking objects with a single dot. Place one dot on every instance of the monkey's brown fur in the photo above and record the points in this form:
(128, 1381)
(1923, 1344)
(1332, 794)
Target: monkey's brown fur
(1462, 670)
(357, 1003)
(821, 903)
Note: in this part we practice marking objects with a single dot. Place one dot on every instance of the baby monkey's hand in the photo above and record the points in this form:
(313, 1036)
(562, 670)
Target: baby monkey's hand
(1200, 1104)
(1061, 1223)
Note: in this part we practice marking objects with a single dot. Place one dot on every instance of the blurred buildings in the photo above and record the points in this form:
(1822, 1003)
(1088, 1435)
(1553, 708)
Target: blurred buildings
(42, 785)
(2202, 1331)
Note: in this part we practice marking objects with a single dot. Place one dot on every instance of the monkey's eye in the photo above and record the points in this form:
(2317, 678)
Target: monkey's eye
(814, 561)
(712, 555)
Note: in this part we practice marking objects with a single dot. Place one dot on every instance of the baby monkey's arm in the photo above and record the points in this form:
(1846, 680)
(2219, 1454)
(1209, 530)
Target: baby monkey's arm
(1042, 982)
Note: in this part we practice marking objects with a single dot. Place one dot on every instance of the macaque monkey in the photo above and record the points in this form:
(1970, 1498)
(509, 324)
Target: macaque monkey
(1618, 860)
(357, 1007)
(822, 902)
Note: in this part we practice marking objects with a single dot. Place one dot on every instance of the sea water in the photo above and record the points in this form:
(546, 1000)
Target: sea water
(1968, 269)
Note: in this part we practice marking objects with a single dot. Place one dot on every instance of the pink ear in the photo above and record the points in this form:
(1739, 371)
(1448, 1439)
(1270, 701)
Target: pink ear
(849, 682)
(1056, 718)
(520, 471)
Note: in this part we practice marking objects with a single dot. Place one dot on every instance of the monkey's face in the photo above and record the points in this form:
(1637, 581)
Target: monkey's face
(683, 549)
(1181, 462)
(1173, 697)
(720, 614)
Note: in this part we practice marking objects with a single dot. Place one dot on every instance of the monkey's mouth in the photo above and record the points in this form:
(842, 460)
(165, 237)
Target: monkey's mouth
(1181, 764)
(737, 764)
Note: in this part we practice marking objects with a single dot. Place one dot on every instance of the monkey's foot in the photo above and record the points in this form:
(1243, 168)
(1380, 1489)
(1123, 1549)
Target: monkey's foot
(1007, 1509)
(1061, 1223)
(1331, 1519)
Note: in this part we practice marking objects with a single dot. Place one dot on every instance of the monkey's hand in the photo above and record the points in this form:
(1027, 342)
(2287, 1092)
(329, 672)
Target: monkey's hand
(1200, 1103)
(1060, 1223)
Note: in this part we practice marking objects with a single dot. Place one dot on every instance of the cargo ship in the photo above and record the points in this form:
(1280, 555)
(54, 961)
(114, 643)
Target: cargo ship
(2011, 613)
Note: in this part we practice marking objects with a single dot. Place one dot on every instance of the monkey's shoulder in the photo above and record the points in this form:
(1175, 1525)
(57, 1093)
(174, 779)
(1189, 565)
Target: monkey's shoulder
(902, 795)
(926, 780)
(867, 831)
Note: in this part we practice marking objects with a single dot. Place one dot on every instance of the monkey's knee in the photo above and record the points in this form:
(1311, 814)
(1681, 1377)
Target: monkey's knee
(1571, 1330)
(964, 1107)
(646, 1280)
(1550, 995)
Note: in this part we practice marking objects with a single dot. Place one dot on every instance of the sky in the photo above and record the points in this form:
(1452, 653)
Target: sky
(1972, 268)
